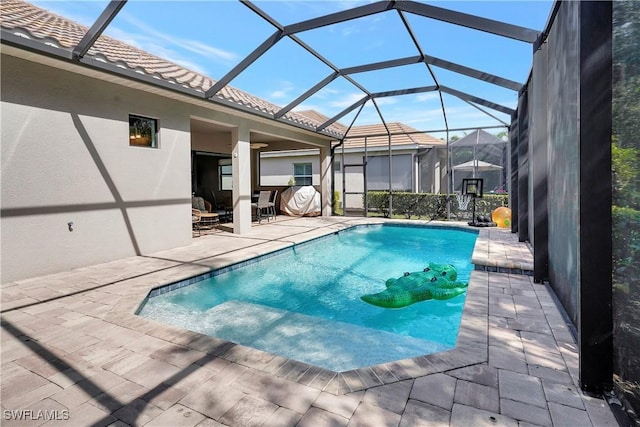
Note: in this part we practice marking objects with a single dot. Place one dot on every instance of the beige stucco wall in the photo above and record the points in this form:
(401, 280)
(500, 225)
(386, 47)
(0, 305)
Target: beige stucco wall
(66, 158)
(276, 171)
(218, 142)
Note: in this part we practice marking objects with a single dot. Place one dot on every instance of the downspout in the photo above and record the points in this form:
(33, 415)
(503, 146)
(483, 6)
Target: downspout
(390, 176)
(333, 173)
(449, 176)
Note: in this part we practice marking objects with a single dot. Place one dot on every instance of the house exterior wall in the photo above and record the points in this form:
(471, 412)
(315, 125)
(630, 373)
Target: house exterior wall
(277, 171)
(277, 168)
(66, 159)
(433, 171)
(218, 142)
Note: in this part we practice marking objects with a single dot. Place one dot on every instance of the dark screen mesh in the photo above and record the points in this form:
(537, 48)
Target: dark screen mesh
(626, 200)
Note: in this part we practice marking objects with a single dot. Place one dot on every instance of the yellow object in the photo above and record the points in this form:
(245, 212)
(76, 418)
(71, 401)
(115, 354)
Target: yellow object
(502, 217)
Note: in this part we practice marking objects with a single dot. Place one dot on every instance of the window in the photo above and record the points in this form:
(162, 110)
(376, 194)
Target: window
(302, 174)
(337, 166)
(225, 175)
(378, 173)
(143, 131)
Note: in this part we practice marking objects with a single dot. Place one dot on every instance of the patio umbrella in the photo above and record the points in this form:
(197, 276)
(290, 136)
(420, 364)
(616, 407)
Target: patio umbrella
(474, 166)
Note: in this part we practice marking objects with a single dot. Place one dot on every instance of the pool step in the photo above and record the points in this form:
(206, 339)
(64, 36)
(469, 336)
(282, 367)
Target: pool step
(333, 345)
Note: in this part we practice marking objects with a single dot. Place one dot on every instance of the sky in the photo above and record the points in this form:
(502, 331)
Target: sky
(211, 37)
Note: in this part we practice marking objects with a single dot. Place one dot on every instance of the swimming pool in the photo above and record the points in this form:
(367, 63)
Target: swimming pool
(304, 302)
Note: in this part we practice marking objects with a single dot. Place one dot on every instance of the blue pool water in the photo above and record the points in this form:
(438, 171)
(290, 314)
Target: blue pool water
(304, 302)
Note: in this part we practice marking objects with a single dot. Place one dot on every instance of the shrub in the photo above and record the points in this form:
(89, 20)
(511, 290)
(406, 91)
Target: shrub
(626, 244)
(336, 203)
(431, 206)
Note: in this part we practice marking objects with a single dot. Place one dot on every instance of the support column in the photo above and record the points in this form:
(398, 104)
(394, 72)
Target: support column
(595, 322)
(513, 177)
(326, 178)
(523, 167)
(241, 169)
(538, 171)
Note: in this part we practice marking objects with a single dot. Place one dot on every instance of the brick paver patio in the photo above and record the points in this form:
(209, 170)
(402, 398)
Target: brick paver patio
(74, 353)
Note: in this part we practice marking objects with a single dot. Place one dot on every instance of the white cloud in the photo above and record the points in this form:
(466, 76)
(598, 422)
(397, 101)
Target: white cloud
(278, 94)
(284, 89)
(326, 93)
(346, 100)
(425, 97)
(206, 50)
(386, 101)
(148, 33)
(421, 119)
(150, 45)
(326, 7)
(352, 29)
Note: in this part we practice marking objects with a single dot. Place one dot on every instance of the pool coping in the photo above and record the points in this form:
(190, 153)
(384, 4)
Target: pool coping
(471, 347)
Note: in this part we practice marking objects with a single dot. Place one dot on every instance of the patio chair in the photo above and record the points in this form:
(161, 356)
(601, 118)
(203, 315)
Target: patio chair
(262, 203)
(225, 213)
(195, 219)
(272, 203)
(199, 203)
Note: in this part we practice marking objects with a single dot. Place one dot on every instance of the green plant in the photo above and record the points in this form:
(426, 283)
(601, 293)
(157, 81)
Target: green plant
(625, 163)
(626, 247)
(429, 206)
(336, 203)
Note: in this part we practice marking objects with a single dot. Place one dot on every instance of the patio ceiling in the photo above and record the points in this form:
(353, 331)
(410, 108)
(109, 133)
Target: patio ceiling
(438, 75)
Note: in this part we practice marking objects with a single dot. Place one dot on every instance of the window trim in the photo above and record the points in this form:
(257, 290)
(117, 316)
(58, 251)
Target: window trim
(154, 133)
(221, 163)
(305, 176)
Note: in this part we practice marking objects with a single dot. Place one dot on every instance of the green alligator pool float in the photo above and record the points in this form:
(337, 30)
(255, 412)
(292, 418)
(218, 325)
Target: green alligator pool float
(437, 281)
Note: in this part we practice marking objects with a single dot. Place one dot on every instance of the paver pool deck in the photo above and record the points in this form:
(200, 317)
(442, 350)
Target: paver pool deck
(74, 350)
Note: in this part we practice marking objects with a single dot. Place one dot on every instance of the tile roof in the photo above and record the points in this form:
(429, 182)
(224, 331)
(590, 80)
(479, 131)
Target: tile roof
(39, 24)
(321, 118)
(401, 134)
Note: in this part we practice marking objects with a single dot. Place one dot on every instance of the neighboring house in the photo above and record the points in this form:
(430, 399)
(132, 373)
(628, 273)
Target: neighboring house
(418, 163)
(98, 148)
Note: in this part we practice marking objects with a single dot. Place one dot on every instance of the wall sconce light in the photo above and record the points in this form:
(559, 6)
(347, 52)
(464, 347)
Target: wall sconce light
(70, 225)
